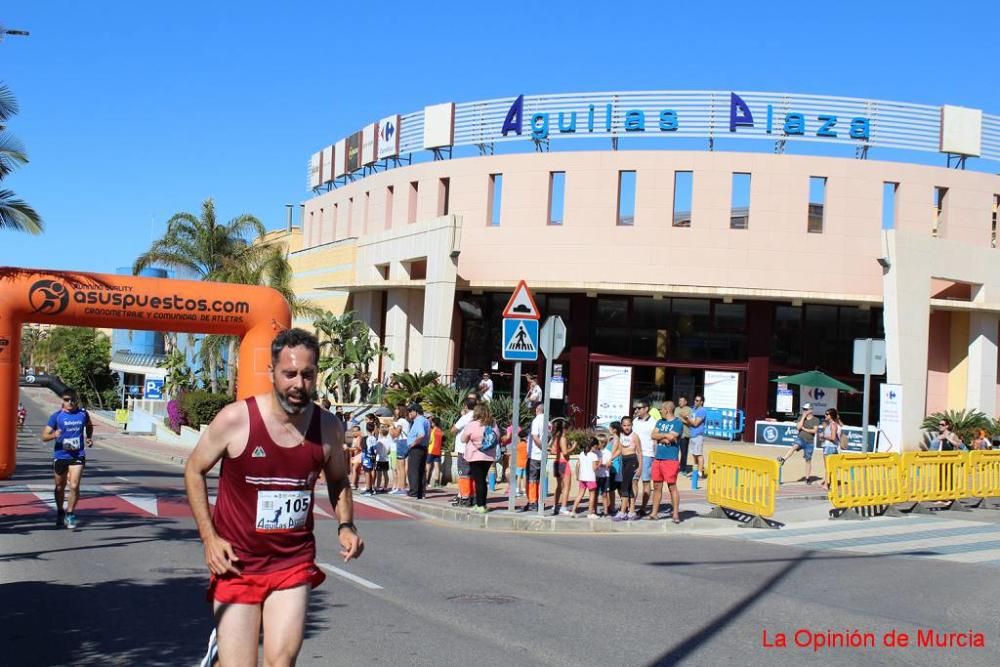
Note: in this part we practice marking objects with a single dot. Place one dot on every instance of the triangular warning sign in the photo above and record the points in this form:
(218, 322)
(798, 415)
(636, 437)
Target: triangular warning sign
(522, 304)
(521, 341)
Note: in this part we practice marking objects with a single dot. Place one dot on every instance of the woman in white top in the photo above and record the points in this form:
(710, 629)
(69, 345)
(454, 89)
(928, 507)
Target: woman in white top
(629, 448)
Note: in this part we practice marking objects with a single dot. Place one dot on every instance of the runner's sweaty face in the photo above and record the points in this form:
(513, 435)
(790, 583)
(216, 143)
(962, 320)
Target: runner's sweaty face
(294, 379)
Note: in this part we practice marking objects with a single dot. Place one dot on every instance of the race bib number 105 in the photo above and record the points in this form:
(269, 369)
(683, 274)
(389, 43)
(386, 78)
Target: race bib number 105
(282, 511)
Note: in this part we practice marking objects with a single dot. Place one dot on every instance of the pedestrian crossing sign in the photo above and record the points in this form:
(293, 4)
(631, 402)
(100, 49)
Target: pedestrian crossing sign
(520, 340)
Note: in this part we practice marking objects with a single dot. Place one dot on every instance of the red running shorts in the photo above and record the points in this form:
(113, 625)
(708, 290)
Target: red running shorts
(249, 588)
(666, 471)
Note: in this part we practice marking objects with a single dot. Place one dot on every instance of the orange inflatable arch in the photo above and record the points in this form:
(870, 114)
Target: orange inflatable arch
(255, 314)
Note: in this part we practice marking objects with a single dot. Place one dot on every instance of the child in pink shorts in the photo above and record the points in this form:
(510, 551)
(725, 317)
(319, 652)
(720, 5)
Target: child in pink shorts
(586, 473)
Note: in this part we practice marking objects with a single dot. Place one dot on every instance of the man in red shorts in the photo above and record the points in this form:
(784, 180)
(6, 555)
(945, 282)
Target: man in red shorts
(259, 542)
(667, 460)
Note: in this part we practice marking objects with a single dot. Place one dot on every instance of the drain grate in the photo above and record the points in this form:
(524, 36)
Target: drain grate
(478, 598)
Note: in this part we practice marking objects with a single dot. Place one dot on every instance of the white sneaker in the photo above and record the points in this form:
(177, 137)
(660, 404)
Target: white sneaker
(212, 653)
(593, 516)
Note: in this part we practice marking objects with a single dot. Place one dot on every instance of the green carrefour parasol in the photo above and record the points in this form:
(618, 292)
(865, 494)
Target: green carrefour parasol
(816, 379)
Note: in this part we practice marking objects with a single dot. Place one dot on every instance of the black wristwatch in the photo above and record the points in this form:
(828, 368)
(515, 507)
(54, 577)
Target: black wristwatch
(347, 524)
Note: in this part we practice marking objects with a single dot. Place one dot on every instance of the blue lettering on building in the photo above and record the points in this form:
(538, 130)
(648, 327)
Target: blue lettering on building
(792, 124)
(512, 123)
(739, 113)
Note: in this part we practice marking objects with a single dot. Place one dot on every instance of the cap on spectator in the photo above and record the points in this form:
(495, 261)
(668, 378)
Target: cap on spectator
(807, 406)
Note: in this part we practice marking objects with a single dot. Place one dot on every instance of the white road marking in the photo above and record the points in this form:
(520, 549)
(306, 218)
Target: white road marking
(145, 502)
(45, 494)
(322, 512)
(350, 577)
(124, 479)
(378, 504)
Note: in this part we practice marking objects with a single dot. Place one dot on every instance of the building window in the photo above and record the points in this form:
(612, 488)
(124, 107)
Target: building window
(411, 211)
(626, 198)
(729, 317)
(416, 269)
(557, 196)
(364, 213)
(389, 192)
(889, 205)
(683, 186)
(739, 209)
(993, 230)
(817, 204)
(444, 192)
(494, 198)
(940, 197)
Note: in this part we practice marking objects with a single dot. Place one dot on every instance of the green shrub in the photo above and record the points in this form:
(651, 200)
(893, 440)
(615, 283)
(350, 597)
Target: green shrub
(964, 423)
(200, 406)
(579, 437)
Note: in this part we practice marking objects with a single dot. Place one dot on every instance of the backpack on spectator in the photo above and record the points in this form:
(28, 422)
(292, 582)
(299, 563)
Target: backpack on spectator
(490, 440)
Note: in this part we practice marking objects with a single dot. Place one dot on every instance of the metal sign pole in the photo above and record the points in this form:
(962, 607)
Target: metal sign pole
(543, 480)
(864, 407)
(515, 427)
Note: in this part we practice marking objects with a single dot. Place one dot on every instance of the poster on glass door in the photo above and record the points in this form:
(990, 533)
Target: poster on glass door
(614, 393)
(722, 389)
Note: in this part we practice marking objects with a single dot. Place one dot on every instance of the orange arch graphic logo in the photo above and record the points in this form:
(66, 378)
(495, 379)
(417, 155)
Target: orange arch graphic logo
(255, 314)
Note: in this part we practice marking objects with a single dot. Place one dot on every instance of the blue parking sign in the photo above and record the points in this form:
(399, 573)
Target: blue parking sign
(153, 389)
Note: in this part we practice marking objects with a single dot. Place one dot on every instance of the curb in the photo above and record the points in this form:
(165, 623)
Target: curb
(504, 520)
(153, 457)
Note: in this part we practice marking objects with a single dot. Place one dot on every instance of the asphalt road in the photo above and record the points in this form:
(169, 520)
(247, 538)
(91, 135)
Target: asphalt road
(127, 588)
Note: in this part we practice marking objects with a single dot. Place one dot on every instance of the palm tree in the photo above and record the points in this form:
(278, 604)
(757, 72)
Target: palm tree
(346, 350)
(200, 244)
(206, 248)
(15, 213)
(31, 337)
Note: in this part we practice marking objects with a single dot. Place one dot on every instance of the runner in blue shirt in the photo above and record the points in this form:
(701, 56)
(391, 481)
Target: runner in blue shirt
(72, 430)
(667, 460)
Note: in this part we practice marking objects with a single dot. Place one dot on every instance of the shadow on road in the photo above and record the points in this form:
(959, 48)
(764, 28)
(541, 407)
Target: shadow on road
(123, 622)
(720, 622)
(113, 622)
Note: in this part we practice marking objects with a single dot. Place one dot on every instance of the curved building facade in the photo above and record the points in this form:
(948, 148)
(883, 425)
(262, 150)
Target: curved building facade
(674, 261)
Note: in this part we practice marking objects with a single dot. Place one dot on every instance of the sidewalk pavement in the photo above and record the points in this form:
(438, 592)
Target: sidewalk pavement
(796, 502)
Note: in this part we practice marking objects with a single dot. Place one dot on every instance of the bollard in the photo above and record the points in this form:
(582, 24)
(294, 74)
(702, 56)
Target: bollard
(694, 479)
(492, 479)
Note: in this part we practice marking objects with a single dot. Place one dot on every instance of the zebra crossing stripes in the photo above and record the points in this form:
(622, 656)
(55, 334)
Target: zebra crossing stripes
(937, 538)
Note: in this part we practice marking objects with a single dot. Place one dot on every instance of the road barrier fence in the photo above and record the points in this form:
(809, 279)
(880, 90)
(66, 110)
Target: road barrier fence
(863, 485)
(742, 485)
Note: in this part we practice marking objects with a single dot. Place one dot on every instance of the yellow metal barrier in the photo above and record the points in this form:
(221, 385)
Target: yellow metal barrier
(742, 483)
(864, 480)
(984, 472)
(935, 476)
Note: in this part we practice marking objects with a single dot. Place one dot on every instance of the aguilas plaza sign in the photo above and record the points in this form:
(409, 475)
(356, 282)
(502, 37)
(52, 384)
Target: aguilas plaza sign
(788, 123)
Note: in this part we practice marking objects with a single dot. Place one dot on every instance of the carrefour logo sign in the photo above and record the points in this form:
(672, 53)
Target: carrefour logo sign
(741, 116)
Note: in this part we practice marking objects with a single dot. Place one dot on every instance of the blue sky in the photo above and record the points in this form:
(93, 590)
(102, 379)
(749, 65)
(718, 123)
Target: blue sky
(132, 111)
